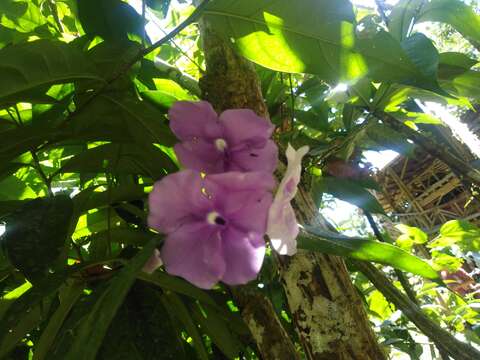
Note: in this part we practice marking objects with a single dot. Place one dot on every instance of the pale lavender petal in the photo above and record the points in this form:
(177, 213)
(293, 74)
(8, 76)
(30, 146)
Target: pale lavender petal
(282, 225)
(153, 262)
(255, 159)
(253, 214)
(195, 253)
(190, 120)
(228, 190)
(176, 199)
(243, 253)
(244, 126)
(200, 155)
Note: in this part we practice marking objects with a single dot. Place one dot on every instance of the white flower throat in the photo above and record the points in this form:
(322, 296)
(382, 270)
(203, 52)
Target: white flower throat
(220, 144)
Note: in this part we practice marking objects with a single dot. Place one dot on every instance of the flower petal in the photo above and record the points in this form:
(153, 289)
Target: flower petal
(255, 159)
(200, 155)
(190, 120)
(176, 199)
(195, 253)
(243, 253)
(228, 190)
(153, 262)
(282, 225)
(244, 126)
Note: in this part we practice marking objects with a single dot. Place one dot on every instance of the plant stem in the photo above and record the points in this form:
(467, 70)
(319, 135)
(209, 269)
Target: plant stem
(445, 342)
(400, 275)
(36, 160)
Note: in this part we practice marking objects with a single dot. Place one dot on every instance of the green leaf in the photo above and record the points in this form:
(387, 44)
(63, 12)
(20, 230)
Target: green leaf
(122, 117)
(177, 285)
(23, 16)
(390, 61)
(24, 304)
(315, 239)
(466, 84)
(38, 63)
(460, 232)
(91, 199)
(217, 329)
(180, 311)
(350, 191)
(167, 94)
(410, 236)
(110, 19)
(283, 36)
(36, 233)
(12, 188)
(453, 64)
(94, 326)
(68, 297)
(145, 159)
(453, 12)
(402, 17)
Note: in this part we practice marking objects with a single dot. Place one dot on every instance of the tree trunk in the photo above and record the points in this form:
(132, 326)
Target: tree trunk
(328, 313)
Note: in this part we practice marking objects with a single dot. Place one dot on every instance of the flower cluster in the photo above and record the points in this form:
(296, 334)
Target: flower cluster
(216, 212)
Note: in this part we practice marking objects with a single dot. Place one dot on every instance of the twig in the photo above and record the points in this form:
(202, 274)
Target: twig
(142, 53)
(36, 160)
(53, 10)
(381, 9)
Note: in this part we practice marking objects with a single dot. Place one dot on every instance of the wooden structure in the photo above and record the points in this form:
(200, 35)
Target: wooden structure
(422, 191)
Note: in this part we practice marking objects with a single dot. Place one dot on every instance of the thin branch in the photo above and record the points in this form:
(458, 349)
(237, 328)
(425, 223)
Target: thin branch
(461, 168)
(400, 275)
(54, 11)
(36, 160)
(142, 53)
(446, 342)
(381, 10)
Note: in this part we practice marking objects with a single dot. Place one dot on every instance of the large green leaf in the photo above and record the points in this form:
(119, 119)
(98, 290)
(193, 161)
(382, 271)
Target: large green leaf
(312, 36)
(412, 62)
(36, 233)
(95, 325)
(217, 329)
(145, 159)
(68, 297)
(23, 16)
(402, 17)
(453, 12)
(350, 191)
(122, 117)
(38, 63)
(460, 232)
(110, 19)
(316, 239)
(150, 334)
(181, 312)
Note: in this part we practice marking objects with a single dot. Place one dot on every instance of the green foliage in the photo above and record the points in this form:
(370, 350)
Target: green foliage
(85, 135)
(362, 249)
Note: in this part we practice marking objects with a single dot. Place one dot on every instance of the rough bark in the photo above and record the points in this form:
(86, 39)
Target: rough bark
(328, 313)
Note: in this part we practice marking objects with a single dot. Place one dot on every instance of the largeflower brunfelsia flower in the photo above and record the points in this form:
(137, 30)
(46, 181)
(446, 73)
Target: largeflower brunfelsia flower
(282, 224)
(237, 140)
(214, 224)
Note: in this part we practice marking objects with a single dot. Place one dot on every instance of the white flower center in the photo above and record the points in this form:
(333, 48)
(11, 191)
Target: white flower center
(220, 144)
(214, 218)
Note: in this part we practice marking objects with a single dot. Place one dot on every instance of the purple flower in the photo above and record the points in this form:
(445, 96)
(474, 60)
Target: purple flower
(237, 140)
(282, 224)
(214, 224)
